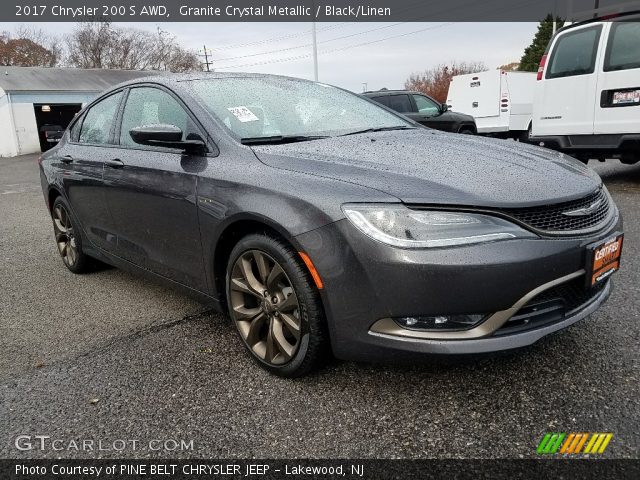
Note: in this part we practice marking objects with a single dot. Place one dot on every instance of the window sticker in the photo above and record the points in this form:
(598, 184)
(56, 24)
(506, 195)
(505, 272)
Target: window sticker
(243, 114)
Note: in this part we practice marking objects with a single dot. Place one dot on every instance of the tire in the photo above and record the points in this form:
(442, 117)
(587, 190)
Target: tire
(467, 131)
(283, 327)
(68, 238)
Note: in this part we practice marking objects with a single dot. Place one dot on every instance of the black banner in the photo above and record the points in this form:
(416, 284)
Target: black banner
(327, 469)
(306, 10)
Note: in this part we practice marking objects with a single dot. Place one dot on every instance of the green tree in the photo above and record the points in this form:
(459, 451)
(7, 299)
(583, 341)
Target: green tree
(533, 53)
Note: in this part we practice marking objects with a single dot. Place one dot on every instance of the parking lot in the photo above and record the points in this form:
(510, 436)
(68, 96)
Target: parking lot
(110, 356)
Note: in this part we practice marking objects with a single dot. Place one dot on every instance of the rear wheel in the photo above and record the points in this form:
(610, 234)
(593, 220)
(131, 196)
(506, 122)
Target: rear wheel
(68, 238)
(467, 131)
(275, 306)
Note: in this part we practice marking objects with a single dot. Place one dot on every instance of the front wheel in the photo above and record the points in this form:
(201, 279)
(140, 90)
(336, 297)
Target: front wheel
(275, 306)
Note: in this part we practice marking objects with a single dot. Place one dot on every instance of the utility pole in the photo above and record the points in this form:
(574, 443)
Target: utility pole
(205, 54)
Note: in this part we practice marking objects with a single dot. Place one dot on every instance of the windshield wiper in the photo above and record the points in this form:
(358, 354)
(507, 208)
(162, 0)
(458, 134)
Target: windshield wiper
(279, 139)
(378, 129)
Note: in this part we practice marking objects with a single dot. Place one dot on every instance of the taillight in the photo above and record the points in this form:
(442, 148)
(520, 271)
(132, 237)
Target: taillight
(543, 62)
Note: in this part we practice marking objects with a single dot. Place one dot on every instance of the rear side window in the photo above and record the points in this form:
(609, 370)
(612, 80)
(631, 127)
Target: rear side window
(98, 121)
(400, 103)
(384, 100)
(575, 53)
(75, 130)
(623, 48)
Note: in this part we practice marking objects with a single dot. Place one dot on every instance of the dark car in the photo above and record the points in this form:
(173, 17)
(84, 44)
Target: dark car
(425, 110)
(49, 135)
(320, 221)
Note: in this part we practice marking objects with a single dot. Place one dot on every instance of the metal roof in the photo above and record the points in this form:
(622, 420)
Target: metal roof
(22, 79)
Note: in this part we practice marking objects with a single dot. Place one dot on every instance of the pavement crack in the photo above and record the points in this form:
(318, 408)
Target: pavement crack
(148, 329)
(100, 348)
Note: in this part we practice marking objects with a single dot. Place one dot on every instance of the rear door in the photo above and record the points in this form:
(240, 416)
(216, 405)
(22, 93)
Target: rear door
(476, 94)
(618, 100)
(152, 191)
(564, 103)
(82, 160)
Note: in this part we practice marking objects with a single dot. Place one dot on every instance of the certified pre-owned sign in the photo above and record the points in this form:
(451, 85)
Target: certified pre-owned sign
(47, 443)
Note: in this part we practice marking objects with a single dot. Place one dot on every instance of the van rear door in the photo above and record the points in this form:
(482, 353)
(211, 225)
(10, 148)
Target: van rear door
(563, 103)
(618, 99)
(476, 94)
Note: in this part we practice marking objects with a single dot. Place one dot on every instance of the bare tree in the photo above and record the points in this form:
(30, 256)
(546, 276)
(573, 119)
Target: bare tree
(435, 81)
(101, 45)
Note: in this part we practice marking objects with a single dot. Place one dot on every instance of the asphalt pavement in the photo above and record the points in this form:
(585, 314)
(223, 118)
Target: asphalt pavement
(114, 360)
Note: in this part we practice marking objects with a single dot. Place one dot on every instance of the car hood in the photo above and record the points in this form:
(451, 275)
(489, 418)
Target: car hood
(424, 166)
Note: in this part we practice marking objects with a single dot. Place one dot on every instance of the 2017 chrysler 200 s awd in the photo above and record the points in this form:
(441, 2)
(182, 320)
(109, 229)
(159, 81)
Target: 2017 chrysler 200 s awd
(325, 222)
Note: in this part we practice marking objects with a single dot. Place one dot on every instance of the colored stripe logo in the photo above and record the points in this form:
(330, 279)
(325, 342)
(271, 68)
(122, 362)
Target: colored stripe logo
(573, 443)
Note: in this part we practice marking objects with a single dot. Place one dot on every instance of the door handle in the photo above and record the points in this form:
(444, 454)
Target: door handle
(114, 163)
(67, 159)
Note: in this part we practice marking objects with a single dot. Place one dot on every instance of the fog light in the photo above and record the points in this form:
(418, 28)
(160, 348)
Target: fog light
(441, 322)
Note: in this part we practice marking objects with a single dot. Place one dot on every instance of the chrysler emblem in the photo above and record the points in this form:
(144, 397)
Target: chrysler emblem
(583, 212)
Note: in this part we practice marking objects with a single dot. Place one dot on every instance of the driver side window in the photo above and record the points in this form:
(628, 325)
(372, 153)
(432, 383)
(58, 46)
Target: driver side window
(426, 106)
(152, 106)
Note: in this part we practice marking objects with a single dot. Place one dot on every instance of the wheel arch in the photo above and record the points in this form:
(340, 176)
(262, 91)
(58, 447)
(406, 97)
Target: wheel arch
(52, 194)
(468, 126)
(234, 230)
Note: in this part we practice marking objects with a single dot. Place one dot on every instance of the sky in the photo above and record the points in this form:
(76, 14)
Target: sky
(374, 55)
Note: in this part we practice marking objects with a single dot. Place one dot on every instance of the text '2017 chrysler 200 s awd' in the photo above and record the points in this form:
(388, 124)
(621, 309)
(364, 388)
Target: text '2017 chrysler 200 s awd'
(325, 222)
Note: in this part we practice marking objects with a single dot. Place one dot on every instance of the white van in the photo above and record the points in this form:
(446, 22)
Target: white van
(587, 97)
(500, 102)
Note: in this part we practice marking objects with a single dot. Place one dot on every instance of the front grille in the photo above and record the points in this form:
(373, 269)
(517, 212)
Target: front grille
(551, 306)
(553, 218)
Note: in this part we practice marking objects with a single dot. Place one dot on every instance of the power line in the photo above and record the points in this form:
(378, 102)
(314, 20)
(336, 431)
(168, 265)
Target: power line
(283, 37)
(307, 55)
(310, 44)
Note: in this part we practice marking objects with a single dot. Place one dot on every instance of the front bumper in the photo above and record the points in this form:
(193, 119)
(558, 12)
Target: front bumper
(367, 283)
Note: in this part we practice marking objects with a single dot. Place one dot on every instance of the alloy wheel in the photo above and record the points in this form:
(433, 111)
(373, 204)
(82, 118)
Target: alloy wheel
(265, 307)
(65, 237)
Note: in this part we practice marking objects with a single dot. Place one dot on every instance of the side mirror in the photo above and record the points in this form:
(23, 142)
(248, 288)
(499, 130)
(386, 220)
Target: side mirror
(444, 107)
(164, 135)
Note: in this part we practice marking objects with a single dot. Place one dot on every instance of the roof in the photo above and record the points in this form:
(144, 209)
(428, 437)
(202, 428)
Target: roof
(22, 79)
(386, 91)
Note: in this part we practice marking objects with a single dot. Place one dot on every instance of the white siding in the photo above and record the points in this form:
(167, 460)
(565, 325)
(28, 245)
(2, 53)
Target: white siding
(7, 133)
(24, 119)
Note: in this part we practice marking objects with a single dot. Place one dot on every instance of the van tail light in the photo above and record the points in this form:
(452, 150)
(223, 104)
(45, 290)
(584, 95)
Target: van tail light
(543, 62)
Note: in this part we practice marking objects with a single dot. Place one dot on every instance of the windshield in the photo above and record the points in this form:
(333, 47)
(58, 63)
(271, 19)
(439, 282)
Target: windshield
(260, 107)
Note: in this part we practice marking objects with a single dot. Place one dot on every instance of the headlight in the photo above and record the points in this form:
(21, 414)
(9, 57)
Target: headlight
(400, 226)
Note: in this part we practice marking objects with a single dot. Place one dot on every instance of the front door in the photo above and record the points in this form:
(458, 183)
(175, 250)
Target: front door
(564, 102)
(151, 191)
(429, 113)
(618, 102)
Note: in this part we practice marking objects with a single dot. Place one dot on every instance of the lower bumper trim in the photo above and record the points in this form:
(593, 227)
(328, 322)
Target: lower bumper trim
(490, 344)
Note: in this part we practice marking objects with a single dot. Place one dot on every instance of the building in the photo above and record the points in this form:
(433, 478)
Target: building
(32, 97)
